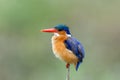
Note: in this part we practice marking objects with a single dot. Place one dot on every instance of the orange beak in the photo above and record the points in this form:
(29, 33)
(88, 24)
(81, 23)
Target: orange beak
(51, 30)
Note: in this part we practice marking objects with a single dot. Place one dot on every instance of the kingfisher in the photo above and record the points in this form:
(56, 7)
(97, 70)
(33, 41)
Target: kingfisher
(65, 46)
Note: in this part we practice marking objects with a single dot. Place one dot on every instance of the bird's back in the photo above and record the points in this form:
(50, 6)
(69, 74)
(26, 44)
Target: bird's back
(76, 47)
(61, 51)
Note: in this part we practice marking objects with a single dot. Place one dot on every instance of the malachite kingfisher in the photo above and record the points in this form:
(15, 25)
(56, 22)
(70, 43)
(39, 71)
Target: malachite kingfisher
(65, 46)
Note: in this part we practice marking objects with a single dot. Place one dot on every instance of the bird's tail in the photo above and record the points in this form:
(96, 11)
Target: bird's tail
(77, 65)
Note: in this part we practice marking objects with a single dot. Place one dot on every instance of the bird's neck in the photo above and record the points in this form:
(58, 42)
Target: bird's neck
(59, 38)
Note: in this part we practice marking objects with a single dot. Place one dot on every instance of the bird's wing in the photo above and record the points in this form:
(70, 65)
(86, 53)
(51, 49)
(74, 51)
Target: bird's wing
(76, 47)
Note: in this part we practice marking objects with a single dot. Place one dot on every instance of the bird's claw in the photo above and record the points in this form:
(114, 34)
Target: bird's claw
(67, 65)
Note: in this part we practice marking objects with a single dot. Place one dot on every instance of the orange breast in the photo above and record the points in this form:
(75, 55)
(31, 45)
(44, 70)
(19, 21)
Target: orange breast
(62, 52)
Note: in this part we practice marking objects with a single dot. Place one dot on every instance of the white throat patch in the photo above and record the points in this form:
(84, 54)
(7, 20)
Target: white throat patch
(56, 34)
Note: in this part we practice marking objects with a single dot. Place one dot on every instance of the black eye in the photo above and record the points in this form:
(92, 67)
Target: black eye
(60, 30)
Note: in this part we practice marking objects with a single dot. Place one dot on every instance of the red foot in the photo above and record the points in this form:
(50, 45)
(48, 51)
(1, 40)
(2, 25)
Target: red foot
(67, 65)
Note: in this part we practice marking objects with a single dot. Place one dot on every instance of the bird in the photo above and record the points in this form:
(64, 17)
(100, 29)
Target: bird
(66, 47)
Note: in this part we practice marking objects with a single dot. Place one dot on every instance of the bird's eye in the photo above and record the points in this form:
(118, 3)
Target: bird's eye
(60, 30)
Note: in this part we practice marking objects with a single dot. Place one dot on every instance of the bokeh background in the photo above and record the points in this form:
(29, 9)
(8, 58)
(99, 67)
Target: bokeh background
(25, 53)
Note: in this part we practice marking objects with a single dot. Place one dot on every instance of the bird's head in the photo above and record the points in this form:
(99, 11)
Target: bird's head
(59, 29)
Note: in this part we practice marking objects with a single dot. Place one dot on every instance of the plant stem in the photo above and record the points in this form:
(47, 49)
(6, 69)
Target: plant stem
(68, 74)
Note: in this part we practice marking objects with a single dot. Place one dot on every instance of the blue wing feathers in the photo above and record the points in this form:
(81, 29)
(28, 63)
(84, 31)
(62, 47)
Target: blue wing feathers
(76, 47)
(78, 64)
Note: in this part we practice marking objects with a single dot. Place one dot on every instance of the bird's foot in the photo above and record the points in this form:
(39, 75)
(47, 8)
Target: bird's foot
(67, 65)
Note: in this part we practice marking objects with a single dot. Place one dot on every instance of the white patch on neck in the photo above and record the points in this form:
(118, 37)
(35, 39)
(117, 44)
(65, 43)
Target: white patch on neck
(56, 34)
(68, 35)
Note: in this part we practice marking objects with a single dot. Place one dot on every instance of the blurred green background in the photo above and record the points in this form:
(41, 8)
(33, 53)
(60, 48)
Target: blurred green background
(25, 53)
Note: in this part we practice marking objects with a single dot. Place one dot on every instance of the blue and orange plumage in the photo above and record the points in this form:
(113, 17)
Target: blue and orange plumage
(66, 47)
